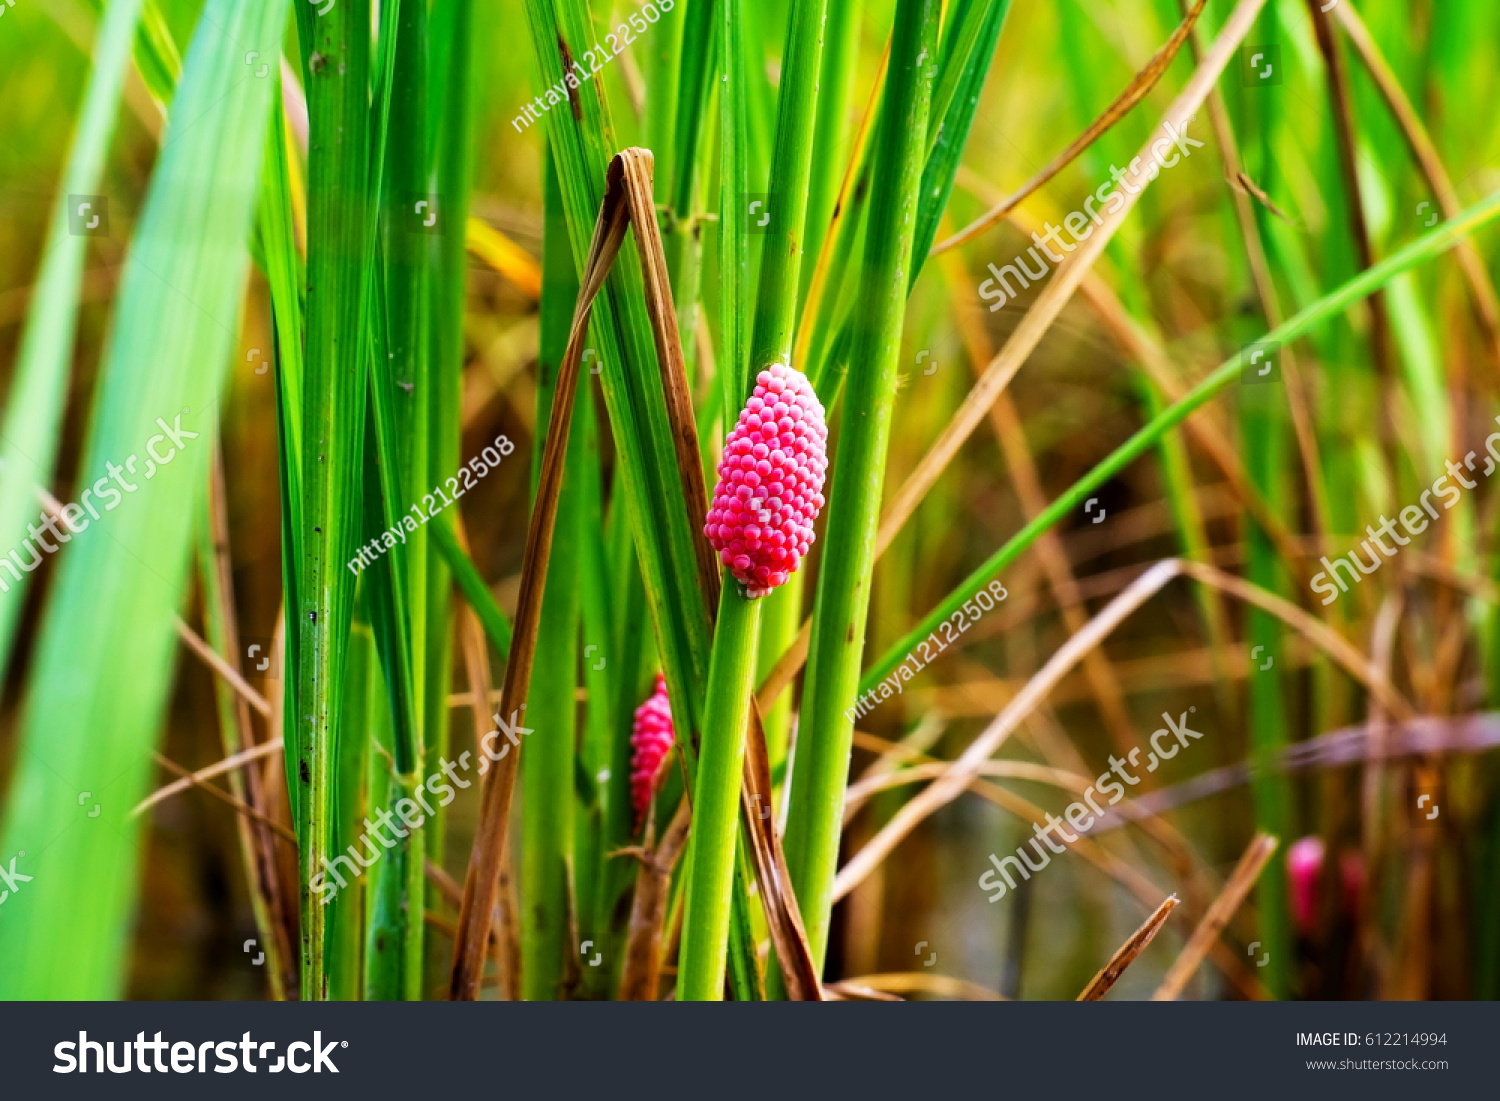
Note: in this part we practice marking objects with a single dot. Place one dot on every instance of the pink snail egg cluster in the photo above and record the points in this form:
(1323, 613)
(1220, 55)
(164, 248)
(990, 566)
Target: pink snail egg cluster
(1304, 867)
(770, 482)
(650, 739)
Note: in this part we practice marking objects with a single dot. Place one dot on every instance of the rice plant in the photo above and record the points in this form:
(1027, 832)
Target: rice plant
(691, 500)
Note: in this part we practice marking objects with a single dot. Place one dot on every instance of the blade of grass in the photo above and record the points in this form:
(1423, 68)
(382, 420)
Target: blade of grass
(687, 168)
(450, 129)
(34, 409)
(831, 135)
(106, 640)
(1263, 424)
(665, 536)
(426, 411)
(969, 48)
(277, 242)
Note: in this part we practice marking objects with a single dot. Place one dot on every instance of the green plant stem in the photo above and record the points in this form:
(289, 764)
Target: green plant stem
(450, 130)
(781, 262)
(547, 767)
(605, 818)
(833, 132)
(339, 217)
(614, 613)
(734, 239)
(841, 606)
(783, 621)
(716, 801)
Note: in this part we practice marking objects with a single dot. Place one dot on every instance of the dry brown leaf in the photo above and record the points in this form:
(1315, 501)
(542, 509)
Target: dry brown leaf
(1206, 934)
(481, 882)
(1125, 955)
